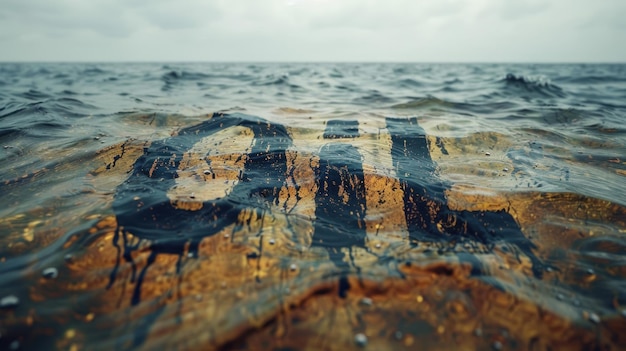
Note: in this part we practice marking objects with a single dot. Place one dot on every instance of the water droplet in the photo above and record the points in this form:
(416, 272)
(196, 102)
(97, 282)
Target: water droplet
(206, 172)
(366, 301)
(593, 317)
(293, 267)
(10, 301)
(590, 271)
(69, 258)
(50, 273)
(190, 254)
(226, 236)
(505, 169)
(360, 339)
(378, 245)
(70, 333)
(487, 153)
(497, 345)
(560, 297)
(272, 241)
(549, 269)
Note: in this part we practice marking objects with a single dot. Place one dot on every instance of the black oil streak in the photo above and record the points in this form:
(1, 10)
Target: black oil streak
(340, 199)
(339, 223)
(425, 204)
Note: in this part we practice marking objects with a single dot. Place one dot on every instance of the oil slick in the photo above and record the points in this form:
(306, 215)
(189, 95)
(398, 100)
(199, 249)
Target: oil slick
(241, 233)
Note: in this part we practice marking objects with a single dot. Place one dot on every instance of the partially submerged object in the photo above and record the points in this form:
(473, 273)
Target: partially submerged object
(241, 233)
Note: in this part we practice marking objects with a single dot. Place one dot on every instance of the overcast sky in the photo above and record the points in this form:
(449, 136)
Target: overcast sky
(314, 30)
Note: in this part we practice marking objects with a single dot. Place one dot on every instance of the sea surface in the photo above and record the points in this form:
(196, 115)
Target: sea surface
(543, 143)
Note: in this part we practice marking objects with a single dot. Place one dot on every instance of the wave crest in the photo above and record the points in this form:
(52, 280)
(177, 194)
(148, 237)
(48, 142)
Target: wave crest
(537, 86)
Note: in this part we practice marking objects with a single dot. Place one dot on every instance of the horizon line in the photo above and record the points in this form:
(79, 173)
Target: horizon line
(311, 62)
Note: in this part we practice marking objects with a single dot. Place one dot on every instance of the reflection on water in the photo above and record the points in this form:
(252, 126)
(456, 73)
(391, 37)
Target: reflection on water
(350, 206)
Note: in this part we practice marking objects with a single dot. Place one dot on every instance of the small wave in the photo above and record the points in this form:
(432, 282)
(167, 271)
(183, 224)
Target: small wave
(8, 134)
(425, 102)
(561, 116)
(23, 109)
(33, 94)
(272, 79)
(410, 83)
(28, 71)
(453, 81)
(595, 80)
(277, 81)
(293, 111)
(304, 71)
(400, 70)
(53, 108)
(335, 73)
(92, 71)
(35, 127)
(173, 76)
(10, 107)
(487, 107)
(536, 86)
(374, 97)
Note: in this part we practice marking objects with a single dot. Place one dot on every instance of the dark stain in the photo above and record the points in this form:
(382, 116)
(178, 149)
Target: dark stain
(339, 201)
(344, 286)
(427, 213)
(143, 208)
(338, 129)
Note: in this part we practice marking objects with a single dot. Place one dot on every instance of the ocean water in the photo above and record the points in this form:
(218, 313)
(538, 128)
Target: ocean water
(326, 199)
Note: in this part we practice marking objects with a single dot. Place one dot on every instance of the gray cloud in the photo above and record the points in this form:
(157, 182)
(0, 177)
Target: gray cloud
(114, 18)
(518, 9)
(311, 30)
(178, 14)
(54, 18)
(370, 15)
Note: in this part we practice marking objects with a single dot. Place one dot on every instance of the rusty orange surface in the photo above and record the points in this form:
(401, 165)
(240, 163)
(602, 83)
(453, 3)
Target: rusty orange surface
(444, 267)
